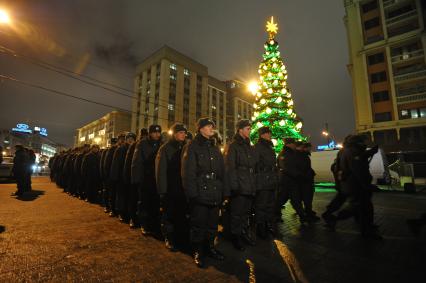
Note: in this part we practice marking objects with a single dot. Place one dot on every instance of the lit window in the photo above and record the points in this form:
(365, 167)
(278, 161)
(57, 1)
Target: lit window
(172, 77)
(423, 112)
(186, 72)
(173, 66)
(171, 107)
(214, 107)
(414, 113)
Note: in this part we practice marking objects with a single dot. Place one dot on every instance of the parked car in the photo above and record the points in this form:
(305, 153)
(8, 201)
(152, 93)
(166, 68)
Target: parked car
(6, 168)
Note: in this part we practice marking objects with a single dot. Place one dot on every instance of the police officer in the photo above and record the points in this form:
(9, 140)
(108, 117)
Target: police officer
(291, 175)
(267, 183)
(19, 169)
(127, 188)
(240, 162)
(90, 172)
(307, 183)
(169, 186)
(115, 173)
(143, 174)
(117, 176)
(355, 181)
(106, 168)
(203, 183)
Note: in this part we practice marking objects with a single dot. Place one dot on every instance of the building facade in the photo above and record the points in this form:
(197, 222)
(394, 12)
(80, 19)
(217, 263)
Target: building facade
(387, 43)
(239, 105)
(30, 138)
(103, 129)
(171, 87)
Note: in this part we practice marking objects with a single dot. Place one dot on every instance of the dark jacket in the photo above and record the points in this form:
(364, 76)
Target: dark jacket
(355, 168)
(203, 172)
(90, 168)
(267, 170)
(108, 161)
(20, 163)
(117, 165)
(127, 169)
(102, 154)
(240, 163)
(168, 168)
(143, 162)
(292, 166)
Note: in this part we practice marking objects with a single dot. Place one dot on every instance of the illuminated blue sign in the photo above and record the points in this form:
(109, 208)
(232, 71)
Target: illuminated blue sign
(43, 132)
(331, 145)
(22, 128)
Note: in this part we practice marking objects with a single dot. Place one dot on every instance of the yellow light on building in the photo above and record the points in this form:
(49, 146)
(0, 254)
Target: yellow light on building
(253, 87)
(4, 17)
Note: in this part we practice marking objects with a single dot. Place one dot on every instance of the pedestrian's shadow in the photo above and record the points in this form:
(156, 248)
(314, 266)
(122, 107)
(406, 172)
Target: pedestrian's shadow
(2, 228)
(30, 196)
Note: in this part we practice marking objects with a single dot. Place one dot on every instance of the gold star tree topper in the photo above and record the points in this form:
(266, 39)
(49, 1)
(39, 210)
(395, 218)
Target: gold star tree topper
(271, 28)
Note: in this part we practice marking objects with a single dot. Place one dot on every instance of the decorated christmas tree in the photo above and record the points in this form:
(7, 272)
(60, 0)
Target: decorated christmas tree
(274, 105)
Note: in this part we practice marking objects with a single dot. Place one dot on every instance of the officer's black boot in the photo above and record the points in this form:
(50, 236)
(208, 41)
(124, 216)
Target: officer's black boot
(261, 231)
(198, 255)
(170, 243)
(238, 243)
(213, 253)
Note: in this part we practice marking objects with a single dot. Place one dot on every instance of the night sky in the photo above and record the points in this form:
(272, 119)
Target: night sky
(107, 39)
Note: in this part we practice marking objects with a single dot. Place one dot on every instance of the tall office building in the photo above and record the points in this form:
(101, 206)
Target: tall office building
(172, 87)
(387, 43)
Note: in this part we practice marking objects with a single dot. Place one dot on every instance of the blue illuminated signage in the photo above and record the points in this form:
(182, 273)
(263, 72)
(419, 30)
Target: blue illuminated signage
(331, 145)
(22, 128)
(43, 132)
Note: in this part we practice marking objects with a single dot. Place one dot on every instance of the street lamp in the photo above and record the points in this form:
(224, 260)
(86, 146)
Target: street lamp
(253, 87)
(4, 17)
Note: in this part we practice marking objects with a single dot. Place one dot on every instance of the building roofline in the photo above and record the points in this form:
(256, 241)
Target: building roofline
(166, 52)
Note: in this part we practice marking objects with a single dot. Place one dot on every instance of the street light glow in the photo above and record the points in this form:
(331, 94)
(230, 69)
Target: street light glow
(324, 133)
(253, 87)
(4, 17)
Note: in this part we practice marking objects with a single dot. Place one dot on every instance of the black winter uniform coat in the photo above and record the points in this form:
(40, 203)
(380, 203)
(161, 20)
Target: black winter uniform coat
(267, 176)
(168, 168)
(143, 162)
(240, 161)
(117, 165)
(203, 172)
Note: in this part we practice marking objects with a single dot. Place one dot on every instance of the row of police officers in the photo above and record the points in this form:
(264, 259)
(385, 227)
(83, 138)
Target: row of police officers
(183, 188)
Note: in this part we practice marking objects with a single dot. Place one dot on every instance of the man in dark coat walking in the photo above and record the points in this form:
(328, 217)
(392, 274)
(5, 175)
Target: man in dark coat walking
(240, 162)
(173, 206)
(267, 183)
(292, 174)
(19, 169)
(203, 183)
(143, 174)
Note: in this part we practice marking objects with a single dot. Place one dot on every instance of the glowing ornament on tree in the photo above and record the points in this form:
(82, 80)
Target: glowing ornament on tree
(274, 142)
(290, 103)
(270, 91)
(279, 100)
(268, 110)
(262, 101)
(289, 111)
(282, 123)
(299, 125)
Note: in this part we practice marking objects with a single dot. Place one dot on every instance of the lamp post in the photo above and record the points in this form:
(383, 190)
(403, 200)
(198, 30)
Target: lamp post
(326, 133)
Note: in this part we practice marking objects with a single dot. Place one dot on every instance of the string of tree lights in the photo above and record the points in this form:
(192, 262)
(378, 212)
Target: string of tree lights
(274, 106)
